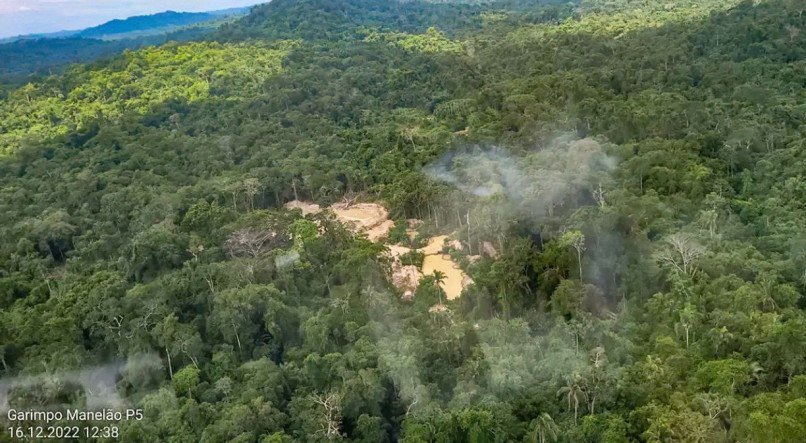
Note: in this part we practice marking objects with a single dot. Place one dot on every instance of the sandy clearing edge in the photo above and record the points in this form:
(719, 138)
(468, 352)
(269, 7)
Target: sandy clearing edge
(372, 219)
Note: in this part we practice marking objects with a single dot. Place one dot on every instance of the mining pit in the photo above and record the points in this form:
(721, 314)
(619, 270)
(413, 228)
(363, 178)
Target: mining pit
(373, 220)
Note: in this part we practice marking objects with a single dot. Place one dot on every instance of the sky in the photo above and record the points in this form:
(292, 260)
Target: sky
(37, 16)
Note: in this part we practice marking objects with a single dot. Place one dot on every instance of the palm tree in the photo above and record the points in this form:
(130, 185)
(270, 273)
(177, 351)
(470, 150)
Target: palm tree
(542, 427)
(573, 392)
(439, 279)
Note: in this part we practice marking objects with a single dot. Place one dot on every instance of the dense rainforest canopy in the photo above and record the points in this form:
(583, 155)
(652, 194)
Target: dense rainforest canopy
(638, 166)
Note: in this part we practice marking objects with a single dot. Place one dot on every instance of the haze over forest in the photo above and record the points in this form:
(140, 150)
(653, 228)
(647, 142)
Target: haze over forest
(381, 220)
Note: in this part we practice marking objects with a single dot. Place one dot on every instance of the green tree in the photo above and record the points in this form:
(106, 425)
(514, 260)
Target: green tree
(186, 379)
(544, 429)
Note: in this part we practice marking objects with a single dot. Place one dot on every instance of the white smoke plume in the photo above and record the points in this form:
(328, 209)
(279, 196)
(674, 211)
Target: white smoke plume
(541, 186)
(564, 173)
(98, 384)
(286, 259)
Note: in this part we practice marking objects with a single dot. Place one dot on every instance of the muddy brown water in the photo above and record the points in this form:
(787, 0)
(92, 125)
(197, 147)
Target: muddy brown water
(435, 260)
(372, 219)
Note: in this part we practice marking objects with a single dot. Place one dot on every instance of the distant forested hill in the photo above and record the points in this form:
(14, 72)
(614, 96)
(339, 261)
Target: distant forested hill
(145, 23)
(43, 56)
(47, 53)
(622, 181)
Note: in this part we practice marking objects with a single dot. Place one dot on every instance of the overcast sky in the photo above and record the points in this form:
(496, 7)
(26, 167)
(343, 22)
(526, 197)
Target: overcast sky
(36, 16)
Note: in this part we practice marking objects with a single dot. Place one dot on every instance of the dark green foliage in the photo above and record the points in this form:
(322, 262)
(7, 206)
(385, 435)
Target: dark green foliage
(44, 56)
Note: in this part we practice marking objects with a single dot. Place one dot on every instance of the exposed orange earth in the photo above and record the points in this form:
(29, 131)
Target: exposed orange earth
(369, 218)
(455, 279)
(372, 219)
(305, 207)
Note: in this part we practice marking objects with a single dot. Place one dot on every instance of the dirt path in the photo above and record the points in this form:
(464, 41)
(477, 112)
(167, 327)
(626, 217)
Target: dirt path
(305, 207)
